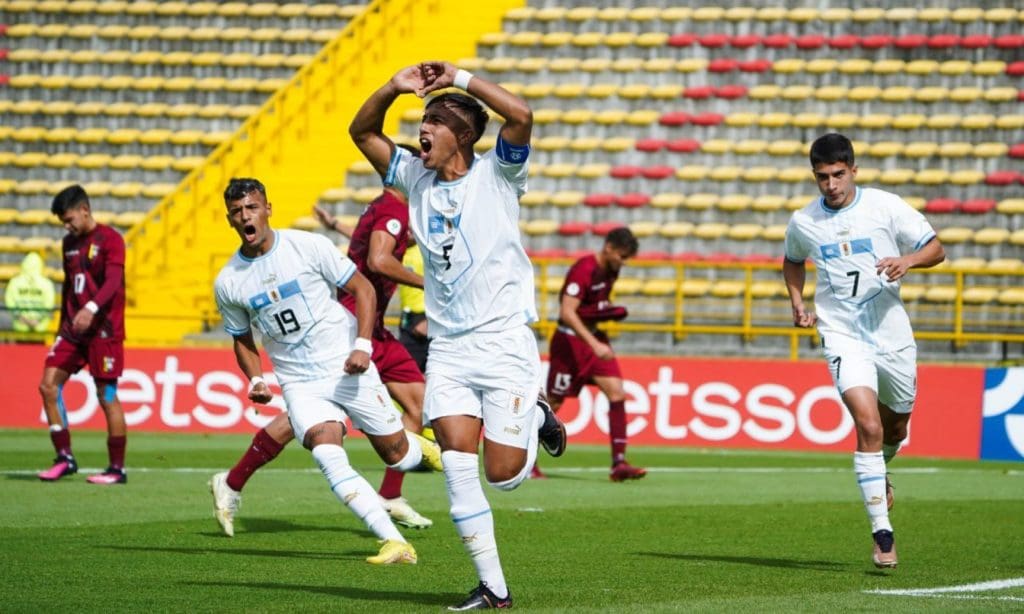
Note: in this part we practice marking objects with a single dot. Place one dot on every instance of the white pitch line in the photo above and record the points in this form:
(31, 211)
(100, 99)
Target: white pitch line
(688, 470)
(994, 585)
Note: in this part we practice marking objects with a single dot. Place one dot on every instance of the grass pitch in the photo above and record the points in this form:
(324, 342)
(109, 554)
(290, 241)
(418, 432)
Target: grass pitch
(707, 530)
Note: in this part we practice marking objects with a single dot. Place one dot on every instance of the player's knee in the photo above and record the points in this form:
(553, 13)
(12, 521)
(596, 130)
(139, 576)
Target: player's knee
(870, 431)
(48, 390)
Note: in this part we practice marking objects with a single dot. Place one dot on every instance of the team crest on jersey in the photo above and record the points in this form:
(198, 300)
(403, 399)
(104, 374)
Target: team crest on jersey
(94, 250)
(108, 364)
(845, 249)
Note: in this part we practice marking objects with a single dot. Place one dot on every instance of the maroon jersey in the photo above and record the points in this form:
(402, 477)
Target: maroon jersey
(391, 215)
(94, 271)
(588, 282)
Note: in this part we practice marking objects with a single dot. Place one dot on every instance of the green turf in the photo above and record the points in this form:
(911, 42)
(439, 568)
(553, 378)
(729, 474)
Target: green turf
(707, 530)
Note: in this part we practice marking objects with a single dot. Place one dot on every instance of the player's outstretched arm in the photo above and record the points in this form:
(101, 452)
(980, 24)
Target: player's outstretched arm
(367, 127)
(795, 274)
(248, 358)
(513, 109)
(381, 259)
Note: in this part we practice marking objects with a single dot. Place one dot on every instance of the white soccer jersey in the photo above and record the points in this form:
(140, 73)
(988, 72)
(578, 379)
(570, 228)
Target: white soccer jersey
(290, 294)
(851, 299)
(477, 275)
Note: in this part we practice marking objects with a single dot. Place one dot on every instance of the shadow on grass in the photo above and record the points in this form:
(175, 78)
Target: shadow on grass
(345, 592)
(25, 477)
(753, 560)
(265, 552)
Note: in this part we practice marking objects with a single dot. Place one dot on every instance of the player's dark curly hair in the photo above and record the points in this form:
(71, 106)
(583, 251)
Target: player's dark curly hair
(238, 187)
(68, 198)
(623, 240)
(468, 107)
(831, 148)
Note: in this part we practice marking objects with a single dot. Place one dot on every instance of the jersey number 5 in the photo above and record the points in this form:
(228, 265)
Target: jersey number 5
(446, 254)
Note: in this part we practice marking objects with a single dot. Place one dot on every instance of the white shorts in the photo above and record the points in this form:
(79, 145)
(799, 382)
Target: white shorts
(492, 376)
(363, 398)
(892, 375)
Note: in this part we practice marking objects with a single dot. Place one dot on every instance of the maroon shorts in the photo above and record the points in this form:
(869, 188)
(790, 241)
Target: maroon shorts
(393, 361)
(573, 364)
(105, 357)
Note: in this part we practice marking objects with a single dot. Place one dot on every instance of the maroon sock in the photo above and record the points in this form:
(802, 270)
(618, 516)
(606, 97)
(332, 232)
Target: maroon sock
(617, 430)
(391, 485)
(262, 450)
(115, 450)
(61, 442)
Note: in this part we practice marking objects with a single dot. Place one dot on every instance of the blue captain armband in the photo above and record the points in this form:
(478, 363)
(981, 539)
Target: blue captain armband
(512, 154)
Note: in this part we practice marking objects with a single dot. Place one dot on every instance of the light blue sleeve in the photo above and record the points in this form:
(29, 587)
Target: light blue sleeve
(795, 247)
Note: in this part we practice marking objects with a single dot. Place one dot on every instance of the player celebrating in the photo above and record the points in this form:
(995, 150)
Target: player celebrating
(484, 367)
(91, 332)
(285, 283)
(862, 242)
(378, 242)
(580, 353)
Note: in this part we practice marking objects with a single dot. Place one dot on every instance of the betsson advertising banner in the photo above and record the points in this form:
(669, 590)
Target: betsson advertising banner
(670, 401)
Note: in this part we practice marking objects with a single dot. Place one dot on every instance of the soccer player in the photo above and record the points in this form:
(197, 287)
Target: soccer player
(580, 353)
(378, 242)
(412, 330)
(91, 332)
(862, 242)
(484, 368)
(285, 283)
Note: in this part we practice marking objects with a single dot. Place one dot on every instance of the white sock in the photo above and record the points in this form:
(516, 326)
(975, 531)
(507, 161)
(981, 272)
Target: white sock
(471, 514)
(412, 458)
(531, 455)
(354, 491)
(870, 470)
(889, 451)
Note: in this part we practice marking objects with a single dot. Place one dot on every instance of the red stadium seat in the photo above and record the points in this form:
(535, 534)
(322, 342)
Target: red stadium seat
(910, 41)
(1015, 69)
(744, 41)
(755, 66)
(723, 65)
(674, 119)
(943, 41)
(843, 41)
(876, 41)
(699, 92)
(602, 229)
(4, 79)
(760, 258)
(976, 41)
(713, 41)
(625, 171)
(598, 200)
(687, 257)
(1016, 151)
(633, 200)
(651, 145)
(684, 145)
(653, 255)
(978, 206)
(809, 42)
(658, 172)
(576, 254)
(573, 229)
(707, 119)
(3, 29)
(1009, 41)
(942, 205)
(731, 92)
(681, 40)
(1002, 178)
(552, 252)
(3, 53)
(720, 257)
(777, 41)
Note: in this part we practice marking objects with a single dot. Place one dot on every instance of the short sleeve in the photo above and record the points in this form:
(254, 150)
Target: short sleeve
(911, 227)
(392, 219)
(512, 163)
(333, 266)
(575, 281)
(402, 170)
(235, 317)
(795, 247)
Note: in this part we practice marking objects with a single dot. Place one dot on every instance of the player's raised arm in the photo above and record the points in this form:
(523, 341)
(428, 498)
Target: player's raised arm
(367, 127)
(516, 113)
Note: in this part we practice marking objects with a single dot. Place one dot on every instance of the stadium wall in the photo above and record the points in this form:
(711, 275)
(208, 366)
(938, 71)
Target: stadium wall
(962, 412)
